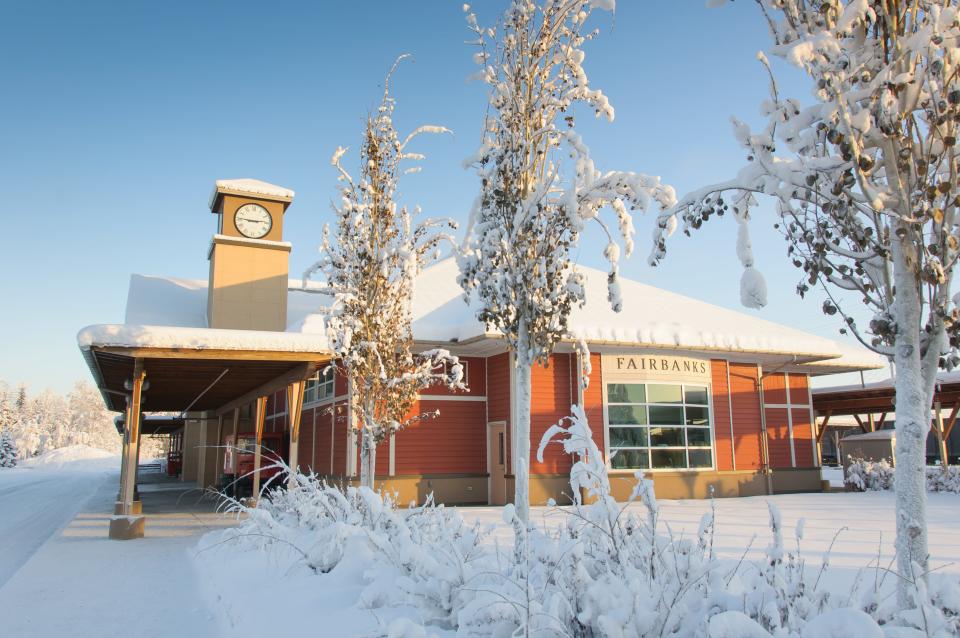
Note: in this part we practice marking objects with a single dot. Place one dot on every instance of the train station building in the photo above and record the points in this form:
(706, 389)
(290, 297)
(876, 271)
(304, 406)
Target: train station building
(702, 399)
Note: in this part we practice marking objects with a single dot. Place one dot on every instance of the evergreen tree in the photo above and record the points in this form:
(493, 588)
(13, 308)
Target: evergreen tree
(8, 450)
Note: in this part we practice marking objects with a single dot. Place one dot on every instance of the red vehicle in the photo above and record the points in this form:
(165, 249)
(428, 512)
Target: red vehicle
(239, 457)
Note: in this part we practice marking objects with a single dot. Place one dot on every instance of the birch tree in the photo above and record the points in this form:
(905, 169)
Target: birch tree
(539, 187)
(864, 184)
(369, 266)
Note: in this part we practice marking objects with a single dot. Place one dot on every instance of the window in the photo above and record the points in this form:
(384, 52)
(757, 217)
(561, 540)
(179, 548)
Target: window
(658, 426)
(319, 387)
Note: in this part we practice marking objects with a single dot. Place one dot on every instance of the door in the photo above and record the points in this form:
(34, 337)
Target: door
(497, 463)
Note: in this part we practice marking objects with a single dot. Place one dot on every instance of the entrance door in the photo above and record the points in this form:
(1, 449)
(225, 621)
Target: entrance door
(497, 463)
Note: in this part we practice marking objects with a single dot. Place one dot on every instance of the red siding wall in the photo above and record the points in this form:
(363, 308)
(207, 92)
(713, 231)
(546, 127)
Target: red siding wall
(550, 401)
(775, 389)
(593, 401)
(802, 428)
(476, 380)
(498, 395)
(721, 415)
(455, 442)
(746, 415)
(778, 438)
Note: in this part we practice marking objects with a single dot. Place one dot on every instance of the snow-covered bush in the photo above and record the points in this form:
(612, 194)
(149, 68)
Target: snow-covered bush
(863, 475)
(8, 450)
(606, 569)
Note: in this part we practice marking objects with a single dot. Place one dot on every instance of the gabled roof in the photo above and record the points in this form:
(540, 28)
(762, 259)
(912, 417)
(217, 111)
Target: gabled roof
(651, 318)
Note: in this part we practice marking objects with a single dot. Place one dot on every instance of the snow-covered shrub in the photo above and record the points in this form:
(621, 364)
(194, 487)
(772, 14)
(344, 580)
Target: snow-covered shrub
(8, 450)
(863, 475)
(607, 568)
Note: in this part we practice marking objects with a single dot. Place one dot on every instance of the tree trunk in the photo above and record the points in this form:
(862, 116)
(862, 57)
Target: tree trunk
(521, 447)
(368, 459)
(912, 426)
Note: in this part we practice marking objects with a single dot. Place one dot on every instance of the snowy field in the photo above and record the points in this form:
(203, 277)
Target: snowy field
(301, 601)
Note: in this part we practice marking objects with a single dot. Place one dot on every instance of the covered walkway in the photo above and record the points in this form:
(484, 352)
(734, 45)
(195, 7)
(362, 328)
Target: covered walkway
(205, 375)
(872, 404)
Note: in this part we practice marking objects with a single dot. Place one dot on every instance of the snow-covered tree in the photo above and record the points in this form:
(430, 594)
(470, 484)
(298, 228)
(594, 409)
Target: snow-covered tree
(8, 450)
(864, 182)
(369, 265)
(539, 189)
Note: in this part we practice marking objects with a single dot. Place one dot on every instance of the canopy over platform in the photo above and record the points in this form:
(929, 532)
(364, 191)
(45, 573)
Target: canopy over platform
(878, 397)
(197, 369)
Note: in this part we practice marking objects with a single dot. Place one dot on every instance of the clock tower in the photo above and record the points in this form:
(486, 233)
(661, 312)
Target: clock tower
(249, 261)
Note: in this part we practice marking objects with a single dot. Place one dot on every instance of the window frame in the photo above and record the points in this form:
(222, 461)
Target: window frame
(710, 427)
(318, 384)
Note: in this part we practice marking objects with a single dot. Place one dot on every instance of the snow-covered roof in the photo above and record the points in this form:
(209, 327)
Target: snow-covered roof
(651, 317)
(251, 186)
(879, 435)
(198, 338)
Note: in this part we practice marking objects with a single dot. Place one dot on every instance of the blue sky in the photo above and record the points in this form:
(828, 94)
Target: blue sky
(117, 117)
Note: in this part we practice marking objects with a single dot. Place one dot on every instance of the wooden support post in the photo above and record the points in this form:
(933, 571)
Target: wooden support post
(941, 437)
(236, 437)
(218, 457)
(260, 418)
(883, 417)
(294, 412)
(132, 431)
(128, 523)
(124, 459)
(873, 427)
(818, 432)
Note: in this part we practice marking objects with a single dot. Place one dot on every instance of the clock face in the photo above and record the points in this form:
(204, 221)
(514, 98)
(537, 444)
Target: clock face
(253, 221)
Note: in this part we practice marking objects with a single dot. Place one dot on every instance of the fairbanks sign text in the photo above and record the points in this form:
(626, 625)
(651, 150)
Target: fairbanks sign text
(655, 365)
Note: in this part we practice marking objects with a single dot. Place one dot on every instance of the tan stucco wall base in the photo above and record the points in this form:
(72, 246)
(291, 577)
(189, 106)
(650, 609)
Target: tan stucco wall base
(472, 489)
(798, 480)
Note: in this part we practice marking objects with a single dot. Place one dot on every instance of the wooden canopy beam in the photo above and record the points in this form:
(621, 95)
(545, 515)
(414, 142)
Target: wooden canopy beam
(951, 420)
(299, 373)
(823, 426)
(863, 428)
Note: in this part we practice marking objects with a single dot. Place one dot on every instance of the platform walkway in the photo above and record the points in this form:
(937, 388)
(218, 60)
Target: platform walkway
(80, 583)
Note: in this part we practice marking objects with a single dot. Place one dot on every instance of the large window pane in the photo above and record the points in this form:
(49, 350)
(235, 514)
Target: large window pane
(626, 393)
(665, 459)
(629, 460)
(666, 437)
(666, 415)
(628, 437)
(627, 414)
(695, 394)
(698, 416)
(664, 393)
(700, 458)
(698, 437)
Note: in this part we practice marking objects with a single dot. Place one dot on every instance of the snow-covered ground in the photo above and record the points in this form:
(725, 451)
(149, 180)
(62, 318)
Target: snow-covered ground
(61, 575)
(300, 600)
(41, 495)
